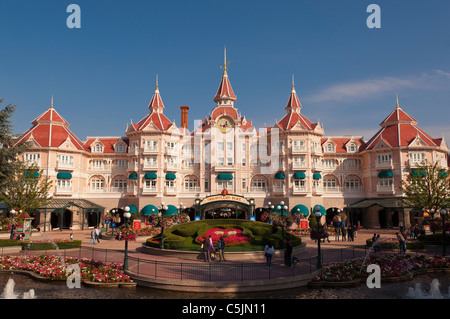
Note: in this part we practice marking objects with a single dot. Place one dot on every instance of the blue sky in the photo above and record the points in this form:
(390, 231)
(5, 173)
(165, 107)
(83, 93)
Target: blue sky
(102, 76)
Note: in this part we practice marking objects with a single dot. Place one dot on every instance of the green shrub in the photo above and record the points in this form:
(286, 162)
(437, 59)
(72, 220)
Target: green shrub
(11, 242)
(435, 239)
(258, 228)
(51, 245)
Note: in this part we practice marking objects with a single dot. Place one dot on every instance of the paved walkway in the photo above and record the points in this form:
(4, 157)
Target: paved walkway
(133, 247)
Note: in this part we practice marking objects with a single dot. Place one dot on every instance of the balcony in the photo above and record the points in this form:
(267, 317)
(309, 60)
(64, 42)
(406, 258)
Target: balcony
(150, 150)
(192, 190)
(386, 189)
(384, 164)
(258, 190)
(317, 190)
(99, 168)
(224, 168)
(299, 165)
(416, 163)
(278, 189)
(65, 165)
(132, 190)
(298, 149)
(133, 151)
(317, 165)
(332, 189)
(170, 190)
(59, 190)
(98, 190)
(173, 151)
(171, 166)
(299, 190)
(353, 190)
(149, 190)
(133, 166)
(150, 165)
(118, 190)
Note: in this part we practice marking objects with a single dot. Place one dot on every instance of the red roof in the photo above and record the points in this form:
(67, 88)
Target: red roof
(156, 101)
(51, 130)
(158, 119)
(293, 101)
(108, 143)
(399, 129)
(292, 118)
(225, 92)
(224, 110)
(341, 142)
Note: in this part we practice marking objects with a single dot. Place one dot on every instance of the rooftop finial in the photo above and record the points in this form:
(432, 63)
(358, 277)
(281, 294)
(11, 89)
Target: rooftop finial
(398, 106)
(225, 63)
(51, 103)
(157, 81)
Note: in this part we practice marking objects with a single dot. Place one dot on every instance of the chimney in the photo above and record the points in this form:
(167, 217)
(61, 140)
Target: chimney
(184, 116)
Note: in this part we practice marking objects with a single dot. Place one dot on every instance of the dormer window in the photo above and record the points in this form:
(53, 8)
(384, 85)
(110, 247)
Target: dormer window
(97, 148)
(351, 148)
(120, 148)
(329, 148)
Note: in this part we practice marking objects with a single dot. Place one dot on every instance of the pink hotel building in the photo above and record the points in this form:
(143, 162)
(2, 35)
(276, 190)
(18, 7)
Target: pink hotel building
(158, 165)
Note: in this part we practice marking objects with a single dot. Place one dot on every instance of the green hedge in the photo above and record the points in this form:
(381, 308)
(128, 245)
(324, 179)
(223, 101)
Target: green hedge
(11, 242)
(51, 246)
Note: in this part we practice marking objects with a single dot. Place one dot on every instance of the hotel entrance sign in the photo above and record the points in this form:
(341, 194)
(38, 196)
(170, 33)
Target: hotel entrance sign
(232, 198)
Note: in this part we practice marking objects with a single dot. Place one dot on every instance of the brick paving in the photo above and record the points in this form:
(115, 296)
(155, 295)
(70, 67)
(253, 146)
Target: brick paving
(154, 266)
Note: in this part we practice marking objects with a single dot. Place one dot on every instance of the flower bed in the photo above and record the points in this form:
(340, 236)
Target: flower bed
(54, 267)
(231, 236)
(391, 266)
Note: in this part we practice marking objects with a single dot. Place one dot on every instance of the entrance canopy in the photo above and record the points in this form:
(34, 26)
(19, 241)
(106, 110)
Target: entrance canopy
(233, 202)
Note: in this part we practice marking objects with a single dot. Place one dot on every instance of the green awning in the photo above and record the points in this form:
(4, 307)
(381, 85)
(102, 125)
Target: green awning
(151, 175)
(385, 174)
(32, 174)
(64, 175)
(317, 176)
(171, 176)
(280, 176)
(149, 210)
(171, 210)
(300, 175)
(300, 209)
(418, 173)
(323, 211)
(133, 209)
(132, 176)
(227, 176)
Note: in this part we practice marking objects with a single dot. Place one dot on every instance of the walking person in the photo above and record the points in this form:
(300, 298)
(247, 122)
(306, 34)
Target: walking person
(206, 249)
(97, 235)
(269, 250)
(400, 243)
(288, 253)
(220, 248)
(350, 233)
(92, 241)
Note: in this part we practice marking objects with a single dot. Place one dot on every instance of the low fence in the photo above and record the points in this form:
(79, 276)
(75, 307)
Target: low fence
(202, 271)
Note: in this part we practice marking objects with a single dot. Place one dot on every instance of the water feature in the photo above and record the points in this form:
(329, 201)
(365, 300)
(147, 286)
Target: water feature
(433, 293)
(9, 292)
(397, 290)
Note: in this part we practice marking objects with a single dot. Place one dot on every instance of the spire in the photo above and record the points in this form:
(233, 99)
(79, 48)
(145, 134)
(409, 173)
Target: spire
(225, 94)
(51, 103)
(156, 103)
(398, 106)
(293, 103)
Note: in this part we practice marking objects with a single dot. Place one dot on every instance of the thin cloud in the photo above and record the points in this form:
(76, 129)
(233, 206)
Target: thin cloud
(368, 88)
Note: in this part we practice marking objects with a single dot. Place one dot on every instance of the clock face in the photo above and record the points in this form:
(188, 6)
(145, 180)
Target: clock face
(225, 125)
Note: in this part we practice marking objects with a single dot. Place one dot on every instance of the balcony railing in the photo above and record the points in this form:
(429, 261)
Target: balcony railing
(385, 188)
(147, 190)
(384, 164)
(299, 189)
(63, 190)
(195, 189)
(150, 165)
(297, 165)
(170, 189)
(64, 165)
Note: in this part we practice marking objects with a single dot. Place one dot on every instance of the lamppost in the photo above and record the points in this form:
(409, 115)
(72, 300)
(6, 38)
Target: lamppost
(127, 216)
(443, 215)
(161, 214)
(319, 254)
(12, 212)
(283, 209)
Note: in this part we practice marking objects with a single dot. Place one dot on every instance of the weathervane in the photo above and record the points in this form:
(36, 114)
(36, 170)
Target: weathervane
(225, 63)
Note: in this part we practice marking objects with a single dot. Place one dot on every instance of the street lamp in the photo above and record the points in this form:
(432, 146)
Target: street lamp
(283, 209)
(127, 216)
(443, 215)
(319, 254)
(161, 214)
(12, 212)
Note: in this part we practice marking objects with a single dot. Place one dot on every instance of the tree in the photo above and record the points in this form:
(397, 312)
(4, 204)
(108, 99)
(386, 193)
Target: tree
(8, 151)
(26, 189)
(427, 187)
